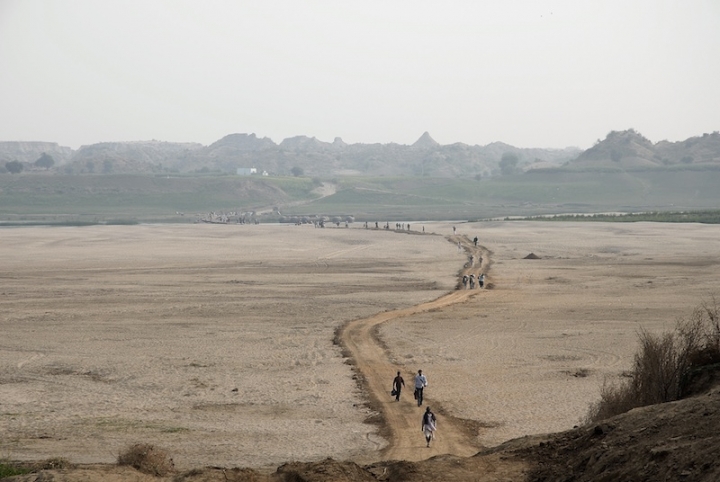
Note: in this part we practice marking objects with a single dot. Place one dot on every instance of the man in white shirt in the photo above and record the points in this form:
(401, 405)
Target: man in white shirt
(420, 384)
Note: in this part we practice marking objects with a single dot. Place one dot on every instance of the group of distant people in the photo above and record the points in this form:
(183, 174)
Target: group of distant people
(469, 281)
(429, 421)
(398, 226)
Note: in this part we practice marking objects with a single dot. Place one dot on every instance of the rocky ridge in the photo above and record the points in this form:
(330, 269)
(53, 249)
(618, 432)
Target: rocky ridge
(620, 150)
(425, 157)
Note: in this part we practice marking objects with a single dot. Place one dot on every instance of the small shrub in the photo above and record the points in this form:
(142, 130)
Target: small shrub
(614, 399)
(8, 469)
(658, 368)
(664, 364)
(147, 459)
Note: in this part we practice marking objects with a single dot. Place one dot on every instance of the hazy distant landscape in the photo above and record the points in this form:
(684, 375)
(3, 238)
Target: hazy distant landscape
(425, 157)
(240, 305)
(582, 280)
(226, 227)
(171, 182)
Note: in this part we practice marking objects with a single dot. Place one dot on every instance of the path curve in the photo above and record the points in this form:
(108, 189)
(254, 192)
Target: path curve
(401, 420)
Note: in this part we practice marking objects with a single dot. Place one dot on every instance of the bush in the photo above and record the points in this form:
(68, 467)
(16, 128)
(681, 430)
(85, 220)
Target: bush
(8, 469)
(14, 167)
(147, 459)
(614, 399)
(664, 365)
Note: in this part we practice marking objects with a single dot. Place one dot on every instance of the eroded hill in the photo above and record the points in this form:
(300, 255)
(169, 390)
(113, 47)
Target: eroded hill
(631, 150)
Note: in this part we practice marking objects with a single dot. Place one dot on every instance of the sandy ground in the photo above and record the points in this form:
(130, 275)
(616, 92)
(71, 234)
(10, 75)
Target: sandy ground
(216, 342)
(530, 355)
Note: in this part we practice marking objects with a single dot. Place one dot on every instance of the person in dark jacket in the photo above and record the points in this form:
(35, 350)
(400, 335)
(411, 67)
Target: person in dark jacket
(429, 425)
(398, 383)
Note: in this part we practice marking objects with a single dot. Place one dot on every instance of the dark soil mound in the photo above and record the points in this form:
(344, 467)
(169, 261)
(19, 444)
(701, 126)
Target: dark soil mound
(328, 470)
(670, 441)
(532, 256)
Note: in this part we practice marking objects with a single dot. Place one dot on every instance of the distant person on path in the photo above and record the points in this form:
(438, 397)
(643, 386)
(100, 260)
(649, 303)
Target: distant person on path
(398, 383)
(420, 384)
(429, 425)
(475, 240)
(481, 280)
(472, 281)
(465, 281)
(454, 230)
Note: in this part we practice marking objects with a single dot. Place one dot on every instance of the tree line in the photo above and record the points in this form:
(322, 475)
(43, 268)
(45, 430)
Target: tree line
(45, 161)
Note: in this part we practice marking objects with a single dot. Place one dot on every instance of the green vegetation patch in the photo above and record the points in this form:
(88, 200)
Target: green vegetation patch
(126, 199)
(704, 217)
(8, 469)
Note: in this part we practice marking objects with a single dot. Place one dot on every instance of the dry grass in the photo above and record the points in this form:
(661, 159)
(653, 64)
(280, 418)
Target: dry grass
(147, 459)
(53, 463)
(11, 468)
(665, 364)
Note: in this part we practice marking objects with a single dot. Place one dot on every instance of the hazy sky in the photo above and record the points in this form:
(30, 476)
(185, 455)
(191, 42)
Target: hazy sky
(529, 73)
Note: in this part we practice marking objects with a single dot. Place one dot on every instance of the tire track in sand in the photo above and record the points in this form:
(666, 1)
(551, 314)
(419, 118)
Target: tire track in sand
(401, 420)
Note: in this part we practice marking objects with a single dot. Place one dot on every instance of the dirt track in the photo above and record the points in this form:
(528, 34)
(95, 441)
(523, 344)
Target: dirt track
(401, 421)
(215, 342)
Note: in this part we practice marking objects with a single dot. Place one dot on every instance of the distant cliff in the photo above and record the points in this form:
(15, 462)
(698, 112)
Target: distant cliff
(631, 150)
(29, 152)
(620, 150)
(132, 157)
(316, 158)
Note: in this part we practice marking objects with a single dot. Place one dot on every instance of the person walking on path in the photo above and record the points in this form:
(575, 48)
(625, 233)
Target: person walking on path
(420, 384)
(398, 383)
(475, 240)
(481, 280)
(429, 425)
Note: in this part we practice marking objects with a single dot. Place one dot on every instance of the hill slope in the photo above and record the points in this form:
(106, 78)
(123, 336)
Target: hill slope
(630, 150)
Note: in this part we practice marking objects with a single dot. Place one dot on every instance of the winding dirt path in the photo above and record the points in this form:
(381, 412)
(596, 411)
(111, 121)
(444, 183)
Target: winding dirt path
(401, 420)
